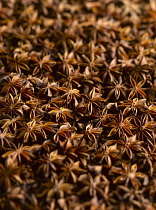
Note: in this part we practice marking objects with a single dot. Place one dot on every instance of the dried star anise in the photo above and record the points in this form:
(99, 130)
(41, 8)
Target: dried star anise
(77, 104)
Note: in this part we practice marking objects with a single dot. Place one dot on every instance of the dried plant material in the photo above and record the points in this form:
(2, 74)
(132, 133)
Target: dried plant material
(10, 173)
(18, 153)
(77, 104)
(120, 125)
(128, 174)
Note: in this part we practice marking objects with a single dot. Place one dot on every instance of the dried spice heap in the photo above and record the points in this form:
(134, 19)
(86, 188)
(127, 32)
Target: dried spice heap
(77, 104)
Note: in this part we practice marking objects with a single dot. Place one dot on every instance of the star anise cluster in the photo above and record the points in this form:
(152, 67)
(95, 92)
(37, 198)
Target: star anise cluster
(77, 104)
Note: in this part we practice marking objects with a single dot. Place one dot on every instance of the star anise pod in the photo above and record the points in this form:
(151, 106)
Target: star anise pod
(120, 125)
(12, 105)
(93, 100)
(91, 64)
(61, 112)
(19, 153)
(135, 105)
(18, 63)
(143, 128)
(12, 84)
(67, 62)
(129, 145)
(107, 153)
(94, 185)
(71, 95)
(42, 64)
(6, 138)
(117, 88)
(136, 89)
(10, 173)
(91, 133)
(69, 170)
(50, 162)
(128, 174)
(30, 130)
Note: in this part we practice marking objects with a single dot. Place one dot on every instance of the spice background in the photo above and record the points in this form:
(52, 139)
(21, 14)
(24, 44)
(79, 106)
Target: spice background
(77, 104)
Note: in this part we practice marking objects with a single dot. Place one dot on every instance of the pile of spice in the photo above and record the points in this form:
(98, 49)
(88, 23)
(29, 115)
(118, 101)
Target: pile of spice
(77, 104)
